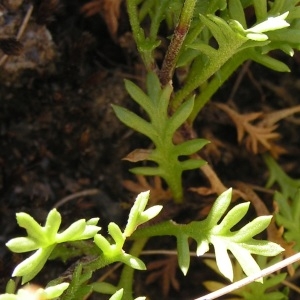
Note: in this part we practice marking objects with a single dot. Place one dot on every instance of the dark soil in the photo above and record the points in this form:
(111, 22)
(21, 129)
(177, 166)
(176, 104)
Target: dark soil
(60, 137)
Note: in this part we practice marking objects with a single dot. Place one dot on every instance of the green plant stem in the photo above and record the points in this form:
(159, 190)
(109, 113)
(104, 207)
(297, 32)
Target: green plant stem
(126, 280)
(99, 263)
(180, 32)
(157, 18)
(200, 73)
(134, 20)
(144, 47)
(161, 229)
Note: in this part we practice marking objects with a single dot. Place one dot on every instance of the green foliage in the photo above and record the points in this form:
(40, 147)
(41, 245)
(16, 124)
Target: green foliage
(240, 242)
(209, 231)
(287, 200)
(44, 239)
(161, 129)
(288, 185)
(195, 24)
(49, 293)
(288, 216)
(254, 290)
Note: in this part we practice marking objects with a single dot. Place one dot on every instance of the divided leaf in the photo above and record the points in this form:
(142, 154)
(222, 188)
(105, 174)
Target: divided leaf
(240, 243)
(161, 129)
(44, 239)
(288, 215)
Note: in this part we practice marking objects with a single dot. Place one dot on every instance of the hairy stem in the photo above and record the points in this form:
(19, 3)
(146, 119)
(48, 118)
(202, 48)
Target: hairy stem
(180, 32)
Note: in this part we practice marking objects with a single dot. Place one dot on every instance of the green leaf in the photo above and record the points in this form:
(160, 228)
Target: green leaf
(22, 244)
(253, 228)
(139, 96)
(134, 121)
(34, 230)
(52, 224)
(288, 185)
(72, 233)
(132, 261)
(269, 62)
(288, 215)
(246, 261)
(220, 206)
(191, 164)
(55, 291)
(272, 23)
(183, 253)
(116, 233)
(135, 212)
(102, 243)
(117, 295)
(149, 213)
(180, 116)
(153, 88)
(232, 217)
(31, 266)
(222, 258)
(190, 147)
(104, 287)
(236, 12)
(264, 248)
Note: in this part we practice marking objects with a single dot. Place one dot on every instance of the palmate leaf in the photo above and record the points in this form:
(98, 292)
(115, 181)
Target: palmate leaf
(240, 243)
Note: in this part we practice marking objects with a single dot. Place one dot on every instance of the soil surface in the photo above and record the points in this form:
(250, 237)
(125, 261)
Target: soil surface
(62, 146)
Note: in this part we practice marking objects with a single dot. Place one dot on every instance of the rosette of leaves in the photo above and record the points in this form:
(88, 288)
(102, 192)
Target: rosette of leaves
(160, 128)
(216, 229)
